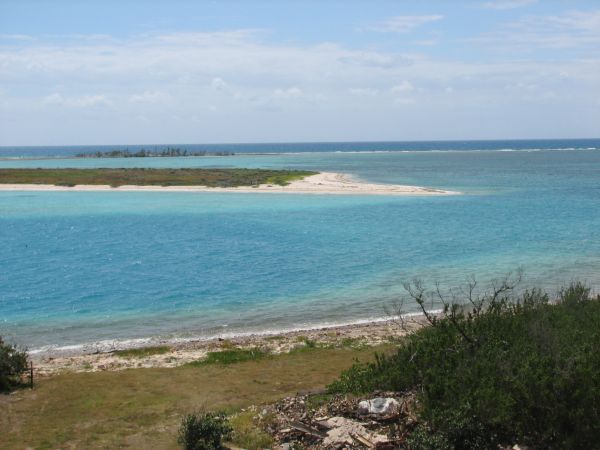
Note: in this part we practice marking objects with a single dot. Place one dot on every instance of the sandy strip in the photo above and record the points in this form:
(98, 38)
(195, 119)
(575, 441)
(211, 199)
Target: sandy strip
(356, 335)
(322, 183)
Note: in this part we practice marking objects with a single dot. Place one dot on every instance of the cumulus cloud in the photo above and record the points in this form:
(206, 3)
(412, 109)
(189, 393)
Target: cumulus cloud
(404, 24)
(84, 101)
(363, 92)
(240, 74)
(150, 97)
(560, 31)
(292, 92)
(218, 84)
(404, 86)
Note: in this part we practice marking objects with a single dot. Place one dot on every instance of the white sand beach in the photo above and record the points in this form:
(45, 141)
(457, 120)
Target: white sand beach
(321, 183)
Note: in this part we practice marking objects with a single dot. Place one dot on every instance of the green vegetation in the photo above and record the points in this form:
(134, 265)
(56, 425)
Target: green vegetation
(204, 431)
(144, 153)
(511, 368)
(152, 177)
(353, 342)
(248, 431)
(232, 356)
(142, 408)
(142, 352)
(13, 362)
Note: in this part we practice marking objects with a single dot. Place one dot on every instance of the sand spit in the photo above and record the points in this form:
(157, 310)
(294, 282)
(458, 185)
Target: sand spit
(179, 353)
(321, 183)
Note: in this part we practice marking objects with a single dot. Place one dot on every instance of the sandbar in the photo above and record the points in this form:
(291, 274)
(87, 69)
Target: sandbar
(321, 183)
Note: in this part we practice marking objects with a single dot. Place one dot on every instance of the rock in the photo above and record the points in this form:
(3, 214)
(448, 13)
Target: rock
(379, 407)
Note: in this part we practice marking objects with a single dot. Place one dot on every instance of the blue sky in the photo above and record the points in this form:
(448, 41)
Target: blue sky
(125, 72)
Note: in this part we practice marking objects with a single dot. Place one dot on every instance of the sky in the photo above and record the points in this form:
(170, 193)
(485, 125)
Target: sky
(77, 72)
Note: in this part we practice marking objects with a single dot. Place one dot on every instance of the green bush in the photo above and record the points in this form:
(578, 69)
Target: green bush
(508, 369)
(204, 431)
(13, 363)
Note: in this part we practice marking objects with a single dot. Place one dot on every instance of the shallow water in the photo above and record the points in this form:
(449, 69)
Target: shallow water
(80, 267)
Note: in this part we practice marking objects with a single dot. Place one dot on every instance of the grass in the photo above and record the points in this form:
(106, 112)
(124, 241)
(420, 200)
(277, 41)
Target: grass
(142, 352)
(352, 342)
(248, 431)
(309, 345)
(233, 356)
(152, 177)
(142, 408)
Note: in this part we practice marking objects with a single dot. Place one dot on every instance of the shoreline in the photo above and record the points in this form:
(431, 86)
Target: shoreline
(177, 353)
(321, 183)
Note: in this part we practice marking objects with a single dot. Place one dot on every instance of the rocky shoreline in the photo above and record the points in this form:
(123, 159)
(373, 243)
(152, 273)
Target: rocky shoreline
(177, 354)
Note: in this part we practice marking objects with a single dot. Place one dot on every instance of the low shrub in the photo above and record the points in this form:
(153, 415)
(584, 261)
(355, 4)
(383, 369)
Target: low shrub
(204, 431)
(13, 362)
(506, 369)
(248, 431)
(142, 352)
(233, 356)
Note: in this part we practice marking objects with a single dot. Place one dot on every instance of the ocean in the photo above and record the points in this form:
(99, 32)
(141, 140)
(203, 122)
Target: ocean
(82, 268)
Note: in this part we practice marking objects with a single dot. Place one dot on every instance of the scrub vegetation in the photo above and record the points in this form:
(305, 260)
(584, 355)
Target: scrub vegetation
(143, 352)
(493, 369)
(231, 356)
(152, 177)
(505, 369)
(13, 362)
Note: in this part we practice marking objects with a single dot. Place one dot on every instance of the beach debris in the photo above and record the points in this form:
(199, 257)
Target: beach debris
(344, 431)
(307, 429)
(323, 421)
(380, 407)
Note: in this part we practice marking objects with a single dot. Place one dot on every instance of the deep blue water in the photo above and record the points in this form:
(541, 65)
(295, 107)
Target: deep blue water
(307, 147)
(80, 267)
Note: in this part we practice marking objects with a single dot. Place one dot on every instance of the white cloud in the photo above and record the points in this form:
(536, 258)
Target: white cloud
(150, 97)
(85, 101)
(404, 24)
(404, 86)
(363, 92)
(245, 78)
(565, 31)
(292, 92)
(16, 37)
(404, 101)
(507, 4)
(218, 84)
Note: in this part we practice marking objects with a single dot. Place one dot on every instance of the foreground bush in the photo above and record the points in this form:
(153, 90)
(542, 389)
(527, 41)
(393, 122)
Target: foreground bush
(508, 369)
(13, 363)
(204, 431)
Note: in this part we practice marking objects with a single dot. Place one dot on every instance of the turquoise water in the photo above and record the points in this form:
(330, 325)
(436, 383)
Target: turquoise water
(83, 267)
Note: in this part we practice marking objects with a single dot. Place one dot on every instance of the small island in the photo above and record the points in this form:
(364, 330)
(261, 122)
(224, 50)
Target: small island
(173, 152)
(215, 178)
(201, 180)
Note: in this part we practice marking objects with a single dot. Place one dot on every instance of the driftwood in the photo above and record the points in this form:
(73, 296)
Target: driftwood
(307, 429)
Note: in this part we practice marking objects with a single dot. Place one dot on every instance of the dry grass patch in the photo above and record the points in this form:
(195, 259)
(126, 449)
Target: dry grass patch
(142, 408)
